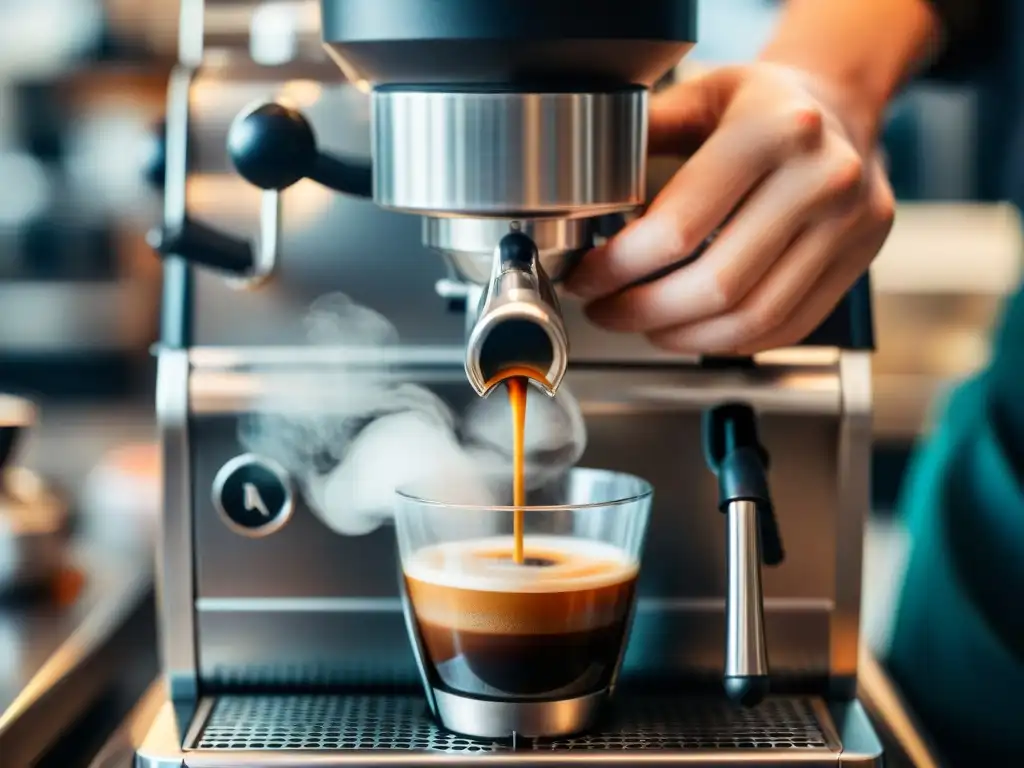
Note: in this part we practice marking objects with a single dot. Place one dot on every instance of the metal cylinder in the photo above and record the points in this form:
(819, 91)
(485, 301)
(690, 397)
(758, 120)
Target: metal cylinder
(746, 653)
(509, 154)
(468, 244)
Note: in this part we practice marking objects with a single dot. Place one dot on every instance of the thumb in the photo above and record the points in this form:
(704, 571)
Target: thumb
(684, 116)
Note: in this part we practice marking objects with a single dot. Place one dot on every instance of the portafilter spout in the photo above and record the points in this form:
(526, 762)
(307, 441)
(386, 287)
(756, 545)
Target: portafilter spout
(518, 328)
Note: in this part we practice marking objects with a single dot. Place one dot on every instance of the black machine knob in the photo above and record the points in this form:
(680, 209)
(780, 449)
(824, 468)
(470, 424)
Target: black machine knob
(253, 495)
(273, 147)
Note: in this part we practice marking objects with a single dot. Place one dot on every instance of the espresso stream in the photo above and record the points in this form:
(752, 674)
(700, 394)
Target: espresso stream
(517, 399)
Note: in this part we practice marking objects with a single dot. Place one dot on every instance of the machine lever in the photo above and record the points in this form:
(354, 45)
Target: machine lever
(273, 147)
(203, 245)
(734, 453)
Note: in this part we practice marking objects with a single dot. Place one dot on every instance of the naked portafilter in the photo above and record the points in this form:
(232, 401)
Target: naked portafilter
(510, 126)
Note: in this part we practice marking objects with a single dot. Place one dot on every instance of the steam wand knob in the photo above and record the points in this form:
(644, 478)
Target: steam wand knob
(735, 454)
(274, 146)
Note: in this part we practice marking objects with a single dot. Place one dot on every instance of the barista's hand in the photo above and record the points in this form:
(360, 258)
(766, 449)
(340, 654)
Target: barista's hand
(786, 168)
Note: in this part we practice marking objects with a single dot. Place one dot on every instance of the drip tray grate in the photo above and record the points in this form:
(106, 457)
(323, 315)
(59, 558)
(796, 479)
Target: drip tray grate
(391, 722)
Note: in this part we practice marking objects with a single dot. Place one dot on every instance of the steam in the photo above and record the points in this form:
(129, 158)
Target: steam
(354, 430)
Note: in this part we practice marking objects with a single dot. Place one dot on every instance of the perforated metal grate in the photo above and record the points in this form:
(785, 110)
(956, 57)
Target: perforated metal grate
(328, 722)
(402, 723)
(672, 724)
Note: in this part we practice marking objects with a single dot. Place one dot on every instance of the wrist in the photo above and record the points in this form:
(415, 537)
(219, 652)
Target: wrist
(859, 52)
(850, 94)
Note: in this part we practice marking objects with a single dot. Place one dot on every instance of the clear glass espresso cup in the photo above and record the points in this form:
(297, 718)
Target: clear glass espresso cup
(532, 647)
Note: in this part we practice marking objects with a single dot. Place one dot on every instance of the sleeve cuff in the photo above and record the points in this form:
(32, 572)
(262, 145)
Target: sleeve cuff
(973, 36)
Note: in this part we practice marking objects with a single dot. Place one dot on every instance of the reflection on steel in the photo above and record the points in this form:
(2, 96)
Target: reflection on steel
(886, 704)
(85, 647)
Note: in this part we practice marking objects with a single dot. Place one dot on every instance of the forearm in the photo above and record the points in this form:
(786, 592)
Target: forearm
(866, 48)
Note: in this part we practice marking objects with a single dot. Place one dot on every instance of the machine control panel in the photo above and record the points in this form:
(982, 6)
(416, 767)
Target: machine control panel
(253, 495)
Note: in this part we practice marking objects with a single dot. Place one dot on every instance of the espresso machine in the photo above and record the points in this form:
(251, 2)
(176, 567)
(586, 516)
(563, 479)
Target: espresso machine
(445, 163)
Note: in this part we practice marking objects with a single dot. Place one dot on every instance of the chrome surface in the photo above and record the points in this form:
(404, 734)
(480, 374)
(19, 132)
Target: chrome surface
(861, 745)
(175, 552)
(177, 143)
(268, 243)
(236, 379)
(479, 719)
(854, 502)
(279, 521)
(509, 154)
(191, 33)
(518, 296)
(468, 244)
(746, 653)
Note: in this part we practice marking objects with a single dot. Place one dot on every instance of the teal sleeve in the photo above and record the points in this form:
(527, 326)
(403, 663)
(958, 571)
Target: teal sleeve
(958, 644)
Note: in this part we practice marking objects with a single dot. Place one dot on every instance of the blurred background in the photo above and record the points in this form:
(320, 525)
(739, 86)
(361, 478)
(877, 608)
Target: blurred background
(82, 91)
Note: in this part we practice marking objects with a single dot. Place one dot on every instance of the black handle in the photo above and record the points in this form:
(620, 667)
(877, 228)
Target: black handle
(192, 241)
(203, 245)
(733, 451)
(273, 147)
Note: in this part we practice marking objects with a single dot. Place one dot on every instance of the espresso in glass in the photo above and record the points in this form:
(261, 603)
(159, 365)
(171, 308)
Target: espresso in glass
(551, 626)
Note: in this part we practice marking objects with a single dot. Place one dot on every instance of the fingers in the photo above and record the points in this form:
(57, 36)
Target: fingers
(826, 293)
(769, 306)
(823, 298)
(717, 283)
(683, 116)
(799, 293)
(745, 148)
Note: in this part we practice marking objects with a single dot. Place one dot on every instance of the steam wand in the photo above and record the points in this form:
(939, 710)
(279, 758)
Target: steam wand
(734, 453)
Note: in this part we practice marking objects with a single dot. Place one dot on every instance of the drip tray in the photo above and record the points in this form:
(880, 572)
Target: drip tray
(799, 727)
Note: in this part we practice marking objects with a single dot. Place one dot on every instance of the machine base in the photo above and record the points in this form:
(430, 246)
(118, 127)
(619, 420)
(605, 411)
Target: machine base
(327, 730)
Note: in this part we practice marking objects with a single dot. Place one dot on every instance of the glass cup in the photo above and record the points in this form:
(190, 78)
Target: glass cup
(530, 647)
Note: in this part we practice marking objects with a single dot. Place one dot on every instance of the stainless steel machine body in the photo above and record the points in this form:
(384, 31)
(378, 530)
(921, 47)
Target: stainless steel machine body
(285, 642)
